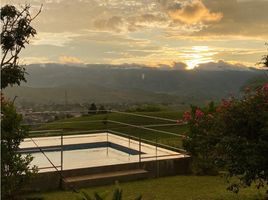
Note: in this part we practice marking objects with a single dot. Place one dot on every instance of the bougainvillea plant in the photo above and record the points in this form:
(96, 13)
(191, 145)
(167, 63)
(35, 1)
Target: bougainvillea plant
(232, 137)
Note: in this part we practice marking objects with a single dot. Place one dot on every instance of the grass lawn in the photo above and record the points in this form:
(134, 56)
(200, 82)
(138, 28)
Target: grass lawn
(168, 188)
(88, 123)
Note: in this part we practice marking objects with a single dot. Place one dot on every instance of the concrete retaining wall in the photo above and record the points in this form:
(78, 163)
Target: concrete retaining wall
(168, 167)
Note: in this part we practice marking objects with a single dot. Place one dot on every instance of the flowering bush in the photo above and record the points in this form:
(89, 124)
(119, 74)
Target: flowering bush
(265, 87)
(232, 136)
(197, 142)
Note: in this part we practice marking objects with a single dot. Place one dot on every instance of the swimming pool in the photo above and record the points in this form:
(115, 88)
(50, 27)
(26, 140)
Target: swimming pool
(91, 150)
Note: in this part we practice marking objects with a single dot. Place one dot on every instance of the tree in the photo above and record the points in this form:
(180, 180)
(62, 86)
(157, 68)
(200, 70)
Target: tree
(233, 137)
(102, 109)
(92, 109)
(201, 139)
(264, 60)
(16, 32)
(258, 81)
(15, 168)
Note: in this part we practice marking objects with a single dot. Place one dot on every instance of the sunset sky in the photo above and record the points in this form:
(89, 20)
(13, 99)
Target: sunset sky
(178, 33)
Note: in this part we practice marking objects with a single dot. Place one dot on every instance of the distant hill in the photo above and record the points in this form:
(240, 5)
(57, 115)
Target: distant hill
(91, 93)
(129, 84)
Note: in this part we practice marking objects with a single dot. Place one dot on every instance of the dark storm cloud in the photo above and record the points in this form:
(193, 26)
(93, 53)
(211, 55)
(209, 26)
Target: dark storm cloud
(246, 18)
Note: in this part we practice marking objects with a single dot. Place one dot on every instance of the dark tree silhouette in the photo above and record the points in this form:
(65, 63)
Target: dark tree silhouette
(265, 59)
(102, 109)
(92, 109)
(16, 32)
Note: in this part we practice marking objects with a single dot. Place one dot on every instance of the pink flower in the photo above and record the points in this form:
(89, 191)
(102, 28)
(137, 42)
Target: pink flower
(187, 116)
(199, 113)
(265, 87)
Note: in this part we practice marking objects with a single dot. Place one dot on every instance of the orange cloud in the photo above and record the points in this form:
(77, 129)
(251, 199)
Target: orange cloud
(70, 60)
(192, 12)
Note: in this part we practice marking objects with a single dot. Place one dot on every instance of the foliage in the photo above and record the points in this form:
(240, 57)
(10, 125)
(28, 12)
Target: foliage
(16, 32)
(92, 109)
(258, 81)
(102, 110)
(166, 188)
(200, 141)
(232, 136)
(97, 122)
(255, 83)
(15, 168)
(117, 195)
(264, 60)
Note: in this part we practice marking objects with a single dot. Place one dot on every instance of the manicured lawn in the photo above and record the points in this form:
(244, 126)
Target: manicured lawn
(89, 123)
(168, 188)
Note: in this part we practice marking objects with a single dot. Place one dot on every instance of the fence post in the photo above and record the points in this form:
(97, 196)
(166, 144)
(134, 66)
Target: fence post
(140, 149)
(61, 156)
(156, 161)
(105, 122)
(61, 160)
(107, 142)
(129, 146)
(156, 147)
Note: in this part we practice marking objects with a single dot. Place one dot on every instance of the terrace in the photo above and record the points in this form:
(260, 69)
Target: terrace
(119, 151)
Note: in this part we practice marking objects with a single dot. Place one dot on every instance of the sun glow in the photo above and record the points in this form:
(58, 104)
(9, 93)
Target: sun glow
(198, 55)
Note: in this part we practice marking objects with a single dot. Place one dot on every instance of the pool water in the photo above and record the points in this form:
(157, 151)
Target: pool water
(81, 158)
(91, 150)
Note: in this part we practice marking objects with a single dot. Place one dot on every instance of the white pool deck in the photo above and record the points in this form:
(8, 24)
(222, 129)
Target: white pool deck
(95, 156)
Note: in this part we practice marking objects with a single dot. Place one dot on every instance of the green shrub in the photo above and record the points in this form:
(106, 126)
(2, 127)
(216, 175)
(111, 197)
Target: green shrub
(232, 136)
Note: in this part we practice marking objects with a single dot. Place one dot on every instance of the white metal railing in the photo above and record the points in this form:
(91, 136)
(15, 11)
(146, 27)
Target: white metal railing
(109, 126)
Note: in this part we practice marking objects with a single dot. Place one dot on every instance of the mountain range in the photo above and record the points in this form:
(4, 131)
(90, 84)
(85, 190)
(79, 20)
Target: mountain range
(129, 83)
